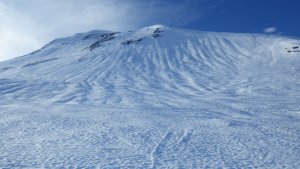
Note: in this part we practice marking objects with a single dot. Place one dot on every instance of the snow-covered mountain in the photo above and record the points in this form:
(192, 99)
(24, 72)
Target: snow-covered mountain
(155, 66)
(157, 97)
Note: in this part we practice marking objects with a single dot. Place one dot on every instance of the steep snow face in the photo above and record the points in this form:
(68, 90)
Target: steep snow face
(158, 97)
(155, 66)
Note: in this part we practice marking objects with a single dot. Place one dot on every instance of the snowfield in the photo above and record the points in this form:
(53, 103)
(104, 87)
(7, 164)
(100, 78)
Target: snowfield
(158, 97)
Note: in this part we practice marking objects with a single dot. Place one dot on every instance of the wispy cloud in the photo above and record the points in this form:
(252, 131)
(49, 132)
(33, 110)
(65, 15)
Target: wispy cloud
(15, 33)
(270, 30)
(27, 25)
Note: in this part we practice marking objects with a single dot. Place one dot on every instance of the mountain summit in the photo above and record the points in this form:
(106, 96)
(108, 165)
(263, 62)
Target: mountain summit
(158, 97)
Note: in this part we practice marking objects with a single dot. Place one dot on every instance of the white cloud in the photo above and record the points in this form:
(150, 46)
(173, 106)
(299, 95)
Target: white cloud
(27, 25)
(270, 30)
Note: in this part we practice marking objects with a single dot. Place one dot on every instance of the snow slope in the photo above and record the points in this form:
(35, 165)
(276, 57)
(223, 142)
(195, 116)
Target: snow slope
(158, 97)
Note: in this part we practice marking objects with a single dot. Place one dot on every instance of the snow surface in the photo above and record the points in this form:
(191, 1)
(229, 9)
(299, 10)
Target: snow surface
(158, 97)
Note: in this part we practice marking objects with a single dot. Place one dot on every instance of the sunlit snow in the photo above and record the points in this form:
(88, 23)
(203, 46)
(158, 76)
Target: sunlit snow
(158, 97)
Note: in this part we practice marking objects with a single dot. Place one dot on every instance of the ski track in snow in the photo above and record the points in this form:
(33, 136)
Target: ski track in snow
(179, 99)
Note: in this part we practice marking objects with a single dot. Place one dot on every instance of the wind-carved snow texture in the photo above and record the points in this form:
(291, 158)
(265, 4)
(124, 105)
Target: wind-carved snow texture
(157, 97)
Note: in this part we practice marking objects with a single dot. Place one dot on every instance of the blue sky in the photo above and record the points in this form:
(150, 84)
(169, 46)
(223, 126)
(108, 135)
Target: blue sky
(253, 16)
(27, 25)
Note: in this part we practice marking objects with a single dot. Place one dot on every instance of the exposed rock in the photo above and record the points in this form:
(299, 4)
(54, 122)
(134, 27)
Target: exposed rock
(97, 36)
(293, 49)
(104, 38)
(5, 69)
(132, 41)
(157, 32)
(38, 62)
